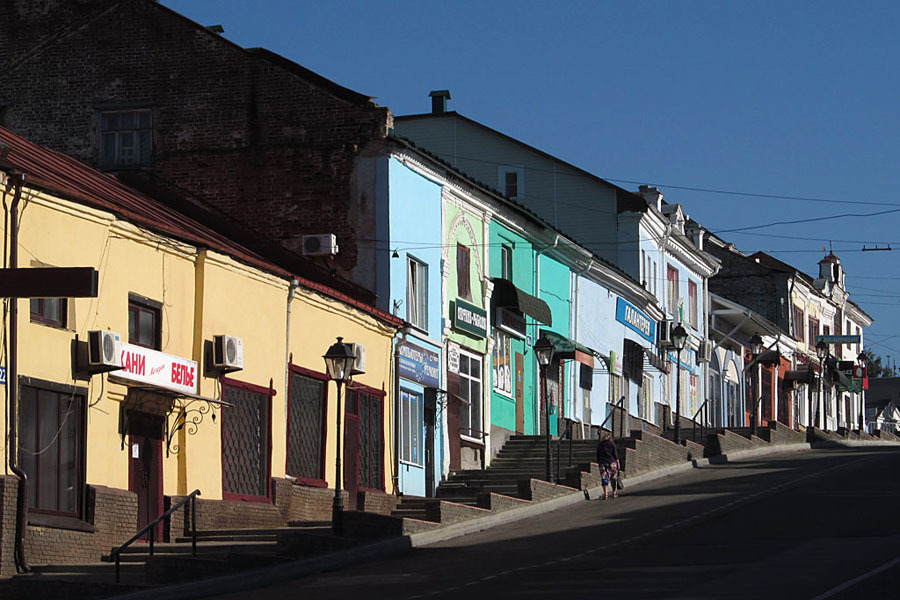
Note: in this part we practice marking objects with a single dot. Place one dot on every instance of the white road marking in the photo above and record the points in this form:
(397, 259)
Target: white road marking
(855, 580)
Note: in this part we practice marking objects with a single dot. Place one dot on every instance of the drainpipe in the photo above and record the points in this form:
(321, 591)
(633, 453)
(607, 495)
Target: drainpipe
(578, 277)
(18, 180)
(537, 294)
(292, 289)
(396, 476)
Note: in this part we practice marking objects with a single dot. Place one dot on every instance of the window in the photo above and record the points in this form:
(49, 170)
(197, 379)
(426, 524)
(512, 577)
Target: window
(813, 332)
(462, 272)
(49, 311)
(412, 425)
(51, 448)
(143, 322)
(246, 439)
(306, 427)
(371, 437)
(470, 393)
(799, 322)
(672, 281)
(615, 388)
(693, 305)
(417, 293)
(125, 138)
(645, 407)
(511, 181)
(506, 258)
(502, 363)
(653, 273)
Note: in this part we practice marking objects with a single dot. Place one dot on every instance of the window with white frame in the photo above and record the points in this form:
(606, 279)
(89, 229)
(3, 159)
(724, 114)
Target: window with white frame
(511, 181)
(672, 289)
(411, 426)
(506, 258)
(470, 393)
(646, 405)
(693, 305)
(417, 293)
(502, 362)
(126, 138)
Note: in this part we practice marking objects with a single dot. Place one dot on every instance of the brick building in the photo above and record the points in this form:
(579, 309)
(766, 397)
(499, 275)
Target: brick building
(181, 112)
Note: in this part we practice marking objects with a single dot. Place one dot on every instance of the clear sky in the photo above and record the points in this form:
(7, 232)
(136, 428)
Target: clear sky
(791, 99)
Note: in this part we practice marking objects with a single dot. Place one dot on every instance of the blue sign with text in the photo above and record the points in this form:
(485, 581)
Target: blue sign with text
(635, 319)
(420, 365)
(2, 375)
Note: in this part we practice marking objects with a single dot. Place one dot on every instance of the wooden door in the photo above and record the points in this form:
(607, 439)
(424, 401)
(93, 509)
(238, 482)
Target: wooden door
(520, 392)
(145, 480)
(351, 450)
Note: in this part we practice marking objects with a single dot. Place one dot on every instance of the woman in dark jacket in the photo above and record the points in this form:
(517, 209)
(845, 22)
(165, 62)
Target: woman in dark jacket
(608, 459)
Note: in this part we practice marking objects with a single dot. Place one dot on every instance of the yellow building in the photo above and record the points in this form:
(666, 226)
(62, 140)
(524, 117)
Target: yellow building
(221, 386)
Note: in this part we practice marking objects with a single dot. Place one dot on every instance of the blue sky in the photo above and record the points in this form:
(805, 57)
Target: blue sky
(792, 99)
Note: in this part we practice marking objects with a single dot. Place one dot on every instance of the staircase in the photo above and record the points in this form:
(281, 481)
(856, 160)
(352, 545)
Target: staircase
(218, 552)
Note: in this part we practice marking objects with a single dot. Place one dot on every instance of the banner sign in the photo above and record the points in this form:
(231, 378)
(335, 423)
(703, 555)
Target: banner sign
(420, 365)
(838, 339)
(469, 318)
(636, 320)
(151, 367)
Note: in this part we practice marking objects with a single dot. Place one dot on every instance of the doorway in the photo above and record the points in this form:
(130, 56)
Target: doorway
(145, 469)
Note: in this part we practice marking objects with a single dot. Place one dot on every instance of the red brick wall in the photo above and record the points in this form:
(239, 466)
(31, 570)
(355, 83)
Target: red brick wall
(262, 140)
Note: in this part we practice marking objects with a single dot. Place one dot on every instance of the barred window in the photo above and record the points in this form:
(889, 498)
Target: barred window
(306, 427)
(245, 442)
(371, 438)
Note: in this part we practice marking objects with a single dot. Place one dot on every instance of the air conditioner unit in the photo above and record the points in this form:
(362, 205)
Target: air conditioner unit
(228, 352)
(320, 245)
(103, 351)
(704, 352)
(359, 365)
(664, 337)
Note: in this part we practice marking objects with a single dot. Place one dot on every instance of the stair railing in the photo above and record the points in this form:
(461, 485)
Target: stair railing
(189, 528)
(566, 433)
(620, 403)
(704, 427)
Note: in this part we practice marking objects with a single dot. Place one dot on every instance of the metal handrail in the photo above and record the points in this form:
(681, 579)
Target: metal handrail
(619, 403)
(705, 419)
(567, 432)
(116, 552)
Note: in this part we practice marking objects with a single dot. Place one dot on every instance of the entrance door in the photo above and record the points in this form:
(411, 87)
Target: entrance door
(520, 392)
(145, 471)
(351, 450)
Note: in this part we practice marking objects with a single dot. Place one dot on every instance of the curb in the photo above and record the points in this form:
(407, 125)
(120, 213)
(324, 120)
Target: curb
(852, 443)
(754, 452)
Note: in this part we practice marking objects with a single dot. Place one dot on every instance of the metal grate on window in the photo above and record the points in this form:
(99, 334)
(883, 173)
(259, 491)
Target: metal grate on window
(306, 427)
(245, 442)
(371, 444)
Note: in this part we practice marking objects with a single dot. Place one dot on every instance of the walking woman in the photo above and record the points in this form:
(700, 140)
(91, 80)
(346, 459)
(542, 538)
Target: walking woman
(608, 459)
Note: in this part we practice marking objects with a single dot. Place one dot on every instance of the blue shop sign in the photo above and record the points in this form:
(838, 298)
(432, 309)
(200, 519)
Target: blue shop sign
(420, 365)
(635, 319)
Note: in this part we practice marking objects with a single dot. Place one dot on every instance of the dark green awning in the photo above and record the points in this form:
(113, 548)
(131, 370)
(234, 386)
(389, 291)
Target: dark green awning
(506, 295)
(563, 347)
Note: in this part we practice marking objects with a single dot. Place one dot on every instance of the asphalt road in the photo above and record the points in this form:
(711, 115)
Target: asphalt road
(812, 525)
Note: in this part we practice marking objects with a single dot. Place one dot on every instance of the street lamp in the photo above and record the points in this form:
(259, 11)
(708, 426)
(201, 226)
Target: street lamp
(679, 339)
(339, 366)
(543, 350)
(863, 359)
(756, 345)
(822, 353)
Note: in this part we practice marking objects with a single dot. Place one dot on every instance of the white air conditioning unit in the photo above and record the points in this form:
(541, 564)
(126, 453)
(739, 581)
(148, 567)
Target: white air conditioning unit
(228, 352)
(359, 365)
(664, 337)
(103, 350)
(320, 245)
(704, 352)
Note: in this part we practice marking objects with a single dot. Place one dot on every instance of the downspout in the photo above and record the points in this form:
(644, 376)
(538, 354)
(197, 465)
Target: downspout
(292, 289)
(578, 277)
(18, 179)
(537, 294)
(395, 477)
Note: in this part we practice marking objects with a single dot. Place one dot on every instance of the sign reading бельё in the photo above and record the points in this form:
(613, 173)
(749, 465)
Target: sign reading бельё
(143, 365)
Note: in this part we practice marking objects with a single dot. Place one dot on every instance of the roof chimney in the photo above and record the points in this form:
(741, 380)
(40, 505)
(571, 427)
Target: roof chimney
(439, 101)
(652, 196)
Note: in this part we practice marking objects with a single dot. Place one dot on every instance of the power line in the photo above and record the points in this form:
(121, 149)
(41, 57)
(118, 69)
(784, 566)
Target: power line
(809, 220)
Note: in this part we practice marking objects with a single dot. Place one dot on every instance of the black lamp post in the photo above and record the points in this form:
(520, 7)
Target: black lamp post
(339, 365)
(543, 350)
(822, 353)
(863, 359)
(679, 339)
(756, 345)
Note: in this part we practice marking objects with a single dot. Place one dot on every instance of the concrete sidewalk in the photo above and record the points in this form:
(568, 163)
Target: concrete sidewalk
(336, 560)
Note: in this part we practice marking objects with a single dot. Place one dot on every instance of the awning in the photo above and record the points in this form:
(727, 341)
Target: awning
(506, 295)
(566, 348)
(803, 375)
(655, 361)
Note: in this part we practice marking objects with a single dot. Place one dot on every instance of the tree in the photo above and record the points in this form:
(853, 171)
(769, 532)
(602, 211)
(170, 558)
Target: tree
(878, 366)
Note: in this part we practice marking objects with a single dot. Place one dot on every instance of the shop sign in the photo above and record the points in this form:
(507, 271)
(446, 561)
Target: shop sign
(636, 320)
(420, 365)
(151, 367)
(469, 318)
(453, 358)
(838, 339)
(2, 375)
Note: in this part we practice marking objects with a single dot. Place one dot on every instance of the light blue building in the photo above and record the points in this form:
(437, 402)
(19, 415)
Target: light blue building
(408, 275)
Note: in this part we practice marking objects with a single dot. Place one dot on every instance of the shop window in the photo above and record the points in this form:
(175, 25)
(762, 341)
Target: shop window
(49, 311)
(417, 293)
(693, 305)
(125, 138)
(463, 284)
(411, 427)
(502, 370)
(144, 322)
(369, 407)
(470, 393)
(306, 427)
(51, 448)
(645, 407)
(246, 441)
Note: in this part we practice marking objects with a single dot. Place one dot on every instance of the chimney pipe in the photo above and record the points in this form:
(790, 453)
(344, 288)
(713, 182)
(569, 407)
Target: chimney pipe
(439, 101)
(651, 195)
